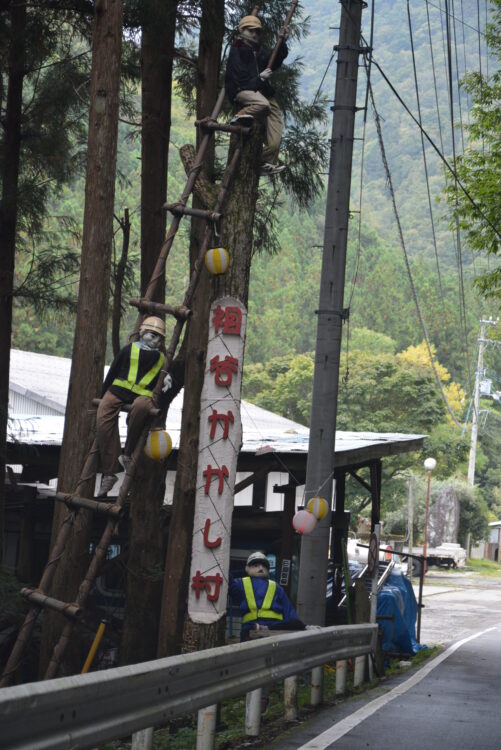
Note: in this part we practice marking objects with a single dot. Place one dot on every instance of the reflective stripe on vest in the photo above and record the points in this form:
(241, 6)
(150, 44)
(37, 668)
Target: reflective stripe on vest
(265, 612)
(143, 388)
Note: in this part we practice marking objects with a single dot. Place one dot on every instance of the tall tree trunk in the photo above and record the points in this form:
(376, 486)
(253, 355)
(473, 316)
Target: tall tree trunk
(89, 345)
(157, 53)
(8, 220)
(238, 223)
(145, 551)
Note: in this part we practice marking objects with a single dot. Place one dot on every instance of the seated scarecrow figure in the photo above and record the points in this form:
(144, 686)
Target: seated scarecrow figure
(248, 86)
(263, 604)
(131, 379)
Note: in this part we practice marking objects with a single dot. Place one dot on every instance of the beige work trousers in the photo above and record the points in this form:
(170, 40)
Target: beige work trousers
(107, 434)
(255, 104)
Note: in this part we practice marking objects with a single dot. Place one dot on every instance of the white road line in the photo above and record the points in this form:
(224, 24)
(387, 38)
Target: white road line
(350, 722)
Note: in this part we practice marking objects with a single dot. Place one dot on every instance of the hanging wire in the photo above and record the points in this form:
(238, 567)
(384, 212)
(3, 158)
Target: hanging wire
(438, 151)
(333, 55)
(460, 108)
(434, 77)
(468, 104)
(486, 41)
(367, 66)
(425, 163)
(466, 25)
(406, 258)
(462, 304)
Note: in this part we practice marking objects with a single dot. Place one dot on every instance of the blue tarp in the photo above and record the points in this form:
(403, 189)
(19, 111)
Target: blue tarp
(397, 600)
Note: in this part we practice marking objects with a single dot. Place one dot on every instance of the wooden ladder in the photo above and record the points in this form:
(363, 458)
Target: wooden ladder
(39, 598)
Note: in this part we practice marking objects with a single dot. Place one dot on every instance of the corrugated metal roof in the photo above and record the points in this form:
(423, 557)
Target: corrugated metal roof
(263, 430)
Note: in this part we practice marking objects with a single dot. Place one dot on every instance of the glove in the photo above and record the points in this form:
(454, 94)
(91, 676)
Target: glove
(167, 383)
(287, 33)
(260, 628)
(265, 74)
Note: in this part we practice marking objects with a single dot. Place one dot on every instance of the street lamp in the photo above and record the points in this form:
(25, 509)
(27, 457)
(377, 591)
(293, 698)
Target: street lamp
(429, 465)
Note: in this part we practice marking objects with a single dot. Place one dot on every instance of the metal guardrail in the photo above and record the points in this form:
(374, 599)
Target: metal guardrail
(86, 710)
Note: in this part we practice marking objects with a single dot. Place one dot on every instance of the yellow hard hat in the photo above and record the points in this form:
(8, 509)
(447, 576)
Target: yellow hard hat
(250, 22)
(153, 324)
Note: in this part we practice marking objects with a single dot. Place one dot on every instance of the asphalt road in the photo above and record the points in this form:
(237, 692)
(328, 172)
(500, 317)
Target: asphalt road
(451, 701)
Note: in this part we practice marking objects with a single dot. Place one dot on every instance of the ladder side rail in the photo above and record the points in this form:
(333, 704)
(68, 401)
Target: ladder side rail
(165, 249)
(26, 630)
(281, 36)
(98, 558)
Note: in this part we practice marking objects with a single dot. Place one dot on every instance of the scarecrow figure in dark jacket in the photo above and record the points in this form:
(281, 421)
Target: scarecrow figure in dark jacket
(131, 379)
(247, 85)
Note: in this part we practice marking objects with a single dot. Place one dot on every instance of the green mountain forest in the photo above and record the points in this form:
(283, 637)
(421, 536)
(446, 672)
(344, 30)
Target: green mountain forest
(387, 381)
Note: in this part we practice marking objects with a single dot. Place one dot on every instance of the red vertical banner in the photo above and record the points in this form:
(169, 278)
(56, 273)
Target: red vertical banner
(220, 441)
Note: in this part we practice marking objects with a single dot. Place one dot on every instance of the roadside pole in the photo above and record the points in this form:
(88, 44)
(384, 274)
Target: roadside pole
(482, 341)
(314, 547)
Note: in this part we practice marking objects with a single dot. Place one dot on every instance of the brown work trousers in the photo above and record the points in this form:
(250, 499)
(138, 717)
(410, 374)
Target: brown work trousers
(107, 434)
(255, 104)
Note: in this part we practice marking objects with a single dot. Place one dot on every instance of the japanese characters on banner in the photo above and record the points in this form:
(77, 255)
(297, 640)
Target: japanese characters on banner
(219, 446)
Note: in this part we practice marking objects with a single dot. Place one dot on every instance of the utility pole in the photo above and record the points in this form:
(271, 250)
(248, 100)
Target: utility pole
(482, 341)
(319, 473)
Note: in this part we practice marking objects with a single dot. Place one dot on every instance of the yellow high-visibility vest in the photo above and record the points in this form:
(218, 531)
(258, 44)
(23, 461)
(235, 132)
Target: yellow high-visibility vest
(143, 388)
(265, 612)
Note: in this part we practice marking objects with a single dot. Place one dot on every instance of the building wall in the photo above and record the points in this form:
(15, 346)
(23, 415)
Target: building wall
(20, 404)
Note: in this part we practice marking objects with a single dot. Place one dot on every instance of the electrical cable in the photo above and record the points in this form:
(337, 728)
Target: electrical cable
(479, 41)
(360, 196)
(435, 147)
(389, 182)
(462, 305)
(486, 41)
(425, 163)
(460, 108)
(333, 55)
(467, 25)
(434, 78)
(468, 104)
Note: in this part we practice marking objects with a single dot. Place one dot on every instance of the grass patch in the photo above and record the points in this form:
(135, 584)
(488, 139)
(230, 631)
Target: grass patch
(484, 567)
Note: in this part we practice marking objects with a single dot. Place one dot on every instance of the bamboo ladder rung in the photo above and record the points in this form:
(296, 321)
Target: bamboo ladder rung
(39, 599)
(144, 305)
(212, 126)
(177, 209)
(101, 508)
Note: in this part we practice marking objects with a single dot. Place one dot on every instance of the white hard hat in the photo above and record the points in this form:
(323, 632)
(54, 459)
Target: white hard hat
(154, 324)
(250, 22)
(258, 557)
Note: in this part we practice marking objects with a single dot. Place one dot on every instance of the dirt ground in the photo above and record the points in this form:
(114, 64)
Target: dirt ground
(457, 604)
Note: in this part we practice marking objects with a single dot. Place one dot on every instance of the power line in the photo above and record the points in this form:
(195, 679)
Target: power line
(434, 78)
(486, 41)
(457, 79)
(406, 257)
(436, 148)
(462, 306)
(467, 25)
(425, 163)
(464, 62)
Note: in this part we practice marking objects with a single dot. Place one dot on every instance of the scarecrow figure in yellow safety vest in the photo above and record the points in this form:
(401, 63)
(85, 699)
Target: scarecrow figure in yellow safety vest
(131, 379)
(263, 603)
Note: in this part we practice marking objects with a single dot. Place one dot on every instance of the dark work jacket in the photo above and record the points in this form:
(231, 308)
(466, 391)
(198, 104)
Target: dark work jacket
(119, 370)
(244, 66)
